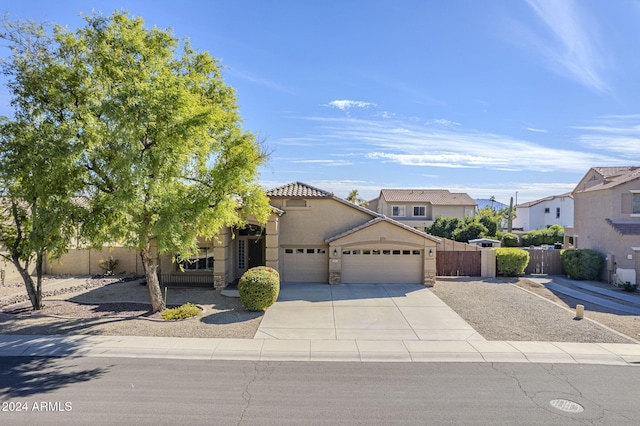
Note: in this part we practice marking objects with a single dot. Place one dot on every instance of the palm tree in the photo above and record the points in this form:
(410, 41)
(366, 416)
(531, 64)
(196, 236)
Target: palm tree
(354, 198)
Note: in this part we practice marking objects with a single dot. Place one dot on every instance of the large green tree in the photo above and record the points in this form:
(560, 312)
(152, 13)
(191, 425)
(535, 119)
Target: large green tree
(163, 151)
(39, 173)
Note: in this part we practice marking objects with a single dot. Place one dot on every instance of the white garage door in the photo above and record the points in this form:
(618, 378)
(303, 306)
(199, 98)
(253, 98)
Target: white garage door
(306, 265)
(382, 266)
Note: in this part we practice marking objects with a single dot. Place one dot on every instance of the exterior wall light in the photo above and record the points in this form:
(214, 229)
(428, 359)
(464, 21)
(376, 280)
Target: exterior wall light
(430, 253)
(335, 253)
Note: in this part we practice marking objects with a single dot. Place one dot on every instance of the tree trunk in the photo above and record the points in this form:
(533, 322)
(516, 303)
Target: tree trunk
(157, 302)
(34, 292)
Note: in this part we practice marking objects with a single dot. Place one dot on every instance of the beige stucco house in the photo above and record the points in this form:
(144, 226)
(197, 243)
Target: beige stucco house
(418, 208)
(311, 236)
(607, 218)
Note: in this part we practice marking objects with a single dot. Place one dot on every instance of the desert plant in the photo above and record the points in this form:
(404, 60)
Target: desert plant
(627, 286)
(259, 288)
(187, 310)
(511, 261)
(582, 264)
(510, 240)
(108, 266)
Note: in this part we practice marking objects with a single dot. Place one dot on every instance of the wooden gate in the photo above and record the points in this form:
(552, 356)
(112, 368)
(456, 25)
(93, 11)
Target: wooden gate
(544, 262)
(459, 263)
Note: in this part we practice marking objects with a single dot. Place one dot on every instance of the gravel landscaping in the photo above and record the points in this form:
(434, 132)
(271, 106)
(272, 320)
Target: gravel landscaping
(521, 310)
(499, 309)
(106, 307)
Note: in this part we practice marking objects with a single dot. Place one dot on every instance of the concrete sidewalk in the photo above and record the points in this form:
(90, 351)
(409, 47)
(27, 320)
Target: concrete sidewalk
(362, 312)
(319, 350)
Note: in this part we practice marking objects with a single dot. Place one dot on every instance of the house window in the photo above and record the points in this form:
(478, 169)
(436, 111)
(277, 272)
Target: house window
(202, 262)
(397, 211)
(557, 212)
(419, 211)
(636, 204)
(546, 210)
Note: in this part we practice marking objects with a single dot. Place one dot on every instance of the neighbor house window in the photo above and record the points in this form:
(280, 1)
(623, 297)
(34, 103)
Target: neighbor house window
(546, 210)
(557, 212)
(397, 211)
(419, 211)
(636, 204)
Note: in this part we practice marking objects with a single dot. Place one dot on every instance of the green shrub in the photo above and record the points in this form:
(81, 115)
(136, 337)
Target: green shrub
(582, 264)
(510, 240)
(627, 286)
(259, 288)
(511, 261)
(187, 310)
(552, 235)
(532, 238)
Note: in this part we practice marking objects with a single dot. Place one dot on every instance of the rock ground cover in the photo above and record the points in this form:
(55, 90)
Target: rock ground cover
(499, 309)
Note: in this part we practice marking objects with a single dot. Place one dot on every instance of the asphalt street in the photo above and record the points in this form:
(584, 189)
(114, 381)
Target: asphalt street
(108, 391)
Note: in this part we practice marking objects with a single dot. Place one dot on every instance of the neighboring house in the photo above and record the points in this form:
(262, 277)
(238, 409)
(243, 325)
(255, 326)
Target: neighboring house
(607, 218)
(485, 243)
(311, 236)
(545, 212)
(418, 208)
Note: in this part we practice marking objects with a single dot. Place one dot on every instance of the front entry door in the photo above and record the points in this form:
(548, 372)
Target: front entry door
(255, 250)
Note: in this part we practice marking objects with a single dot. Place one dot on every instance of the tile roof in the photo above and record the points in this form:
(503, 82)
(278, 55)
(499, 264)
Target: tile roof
(549, 198)
(433, 196)
(625, 228)
(298, 189)
(611, 177)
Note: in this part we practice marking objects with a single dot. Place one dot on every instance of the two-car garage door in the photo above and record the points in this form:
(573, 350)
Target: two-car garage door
(360, 265)
(382, 266)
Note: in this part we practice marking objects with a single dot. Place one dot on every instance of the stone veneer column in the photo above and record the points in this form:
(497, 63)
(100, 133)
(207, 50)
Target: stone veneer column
(429, 278)
(272, 243)
(222, 259)
(335, 265)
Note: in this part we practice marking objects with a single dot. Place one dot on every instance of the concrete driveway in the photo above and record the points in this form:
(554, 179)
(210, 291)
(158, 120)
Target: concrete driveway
(362, 312)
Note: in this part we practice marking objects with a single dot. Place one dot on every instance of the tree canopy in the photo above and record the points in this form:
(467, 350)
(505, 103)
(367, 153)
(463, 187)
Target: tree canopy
(156, 138)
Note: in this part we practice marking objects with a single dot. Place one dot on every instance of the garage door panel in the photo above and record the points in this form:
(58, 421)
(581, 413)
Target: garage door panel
(382, 266)
(305, 264)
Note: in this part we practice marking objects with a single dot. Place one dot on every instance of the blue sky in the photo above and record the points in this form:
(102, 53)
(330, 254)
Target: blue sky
(484, 97)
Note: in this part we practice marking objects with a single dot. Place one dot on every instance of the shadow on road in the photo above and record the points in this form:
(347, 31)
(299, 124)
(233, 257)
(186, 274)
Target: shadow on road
(26, 376)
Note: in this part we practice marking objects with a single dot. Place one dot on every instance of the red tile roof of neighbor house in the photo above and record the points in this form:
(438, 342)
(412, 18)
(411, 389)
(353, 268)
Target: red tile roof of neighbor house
(625, 228)
(298, 189)
(433, 196)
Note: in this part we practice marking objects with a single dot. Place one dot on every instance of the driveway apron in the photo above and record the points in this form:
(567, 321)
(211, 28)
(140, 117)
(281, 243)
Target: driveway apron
(362, 312)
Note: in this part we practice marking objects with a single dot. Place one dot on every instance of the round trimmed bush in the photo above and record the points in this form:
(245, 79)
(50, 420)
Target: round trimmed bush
(582, 264)
(511, 261)
(509, 240)
(259, 288)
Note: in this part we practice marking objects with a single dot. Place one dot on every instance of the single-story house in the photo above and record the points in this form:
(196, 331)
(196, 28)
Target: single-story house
(485, 243)
(311, 236)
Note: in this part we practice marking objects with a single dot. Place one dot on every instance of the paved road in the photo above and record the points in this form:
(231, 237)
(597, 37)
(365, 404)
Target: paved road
(103, 391)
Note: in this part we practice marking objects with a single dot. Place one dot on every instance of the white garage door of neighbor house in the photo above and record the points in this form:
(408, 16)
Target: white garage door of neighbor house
(307, 265)
(382, 266)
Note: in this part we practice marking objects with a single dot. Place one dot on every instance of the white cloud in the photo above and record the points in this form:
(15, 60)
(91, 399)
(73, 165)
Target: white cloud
(532, 129)
(330, 163)
(444, 122)
(570, 45)
(619, 134)
(420, 145)
(345, 105)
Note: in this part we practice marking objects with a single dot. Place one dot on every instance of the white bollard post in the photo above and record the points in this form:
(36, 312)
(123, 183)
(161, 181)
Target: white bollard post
(579, 311)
